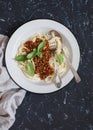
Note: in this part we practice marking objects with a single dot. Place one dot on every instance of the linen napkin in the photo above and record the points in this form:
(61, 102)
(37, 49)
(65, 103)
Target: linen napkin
(11, 96)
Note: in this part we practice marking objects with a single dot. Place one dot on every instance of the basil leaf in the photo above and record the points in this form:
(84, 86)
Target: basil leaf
(39, 54)
(30, 68)
(34, 49)
(21, 58)
(32, 54)
(60, 58)
(40, 46)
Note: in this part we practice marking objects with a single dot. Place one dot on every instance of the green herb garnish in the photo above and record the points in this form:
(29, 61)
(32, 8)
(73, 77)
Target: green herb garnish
(40, 48)
(60, 58)
(30, 68)
(32, 54)
(21, 58)
(39, 54)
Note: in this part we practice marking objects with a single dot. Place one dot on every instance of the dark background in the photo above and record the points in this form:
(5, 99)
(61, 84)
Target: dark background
(71, 108)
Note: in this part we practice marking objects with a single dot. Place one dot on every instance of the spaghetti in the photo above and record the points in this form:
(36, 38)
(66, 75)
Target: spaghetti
(37, 56)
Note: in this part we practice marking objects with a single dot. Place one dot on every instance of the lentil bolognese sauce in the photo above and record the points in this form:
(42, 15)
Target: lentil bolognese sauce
(30, 45)
(42, 66)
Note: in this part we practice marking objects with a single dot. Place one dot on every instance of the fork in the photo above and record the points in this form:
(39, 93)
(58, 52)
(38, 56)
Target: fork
(77, 77)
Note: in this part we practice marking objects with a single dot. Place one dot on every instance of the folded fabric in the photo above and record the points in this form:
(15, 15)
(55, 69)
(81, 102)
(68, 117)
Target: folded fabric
(11, 96)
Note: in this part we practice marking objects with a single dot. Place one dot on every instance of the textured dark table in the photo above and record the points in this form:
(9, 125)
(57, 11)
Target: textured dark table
(71, 108)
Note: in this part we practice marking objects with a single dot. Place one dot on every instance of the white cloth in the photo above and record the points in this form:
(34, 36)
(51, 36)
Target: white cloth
(11, 96)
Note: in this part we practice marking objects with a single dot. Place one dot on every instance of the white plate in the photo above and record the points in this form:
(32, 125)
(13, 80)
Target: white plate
(23, 33)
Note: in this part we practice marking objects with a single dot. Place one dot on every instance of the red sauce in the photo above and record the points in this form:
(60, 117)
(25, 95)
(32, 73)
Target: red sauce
(42, 66)
(30, 45)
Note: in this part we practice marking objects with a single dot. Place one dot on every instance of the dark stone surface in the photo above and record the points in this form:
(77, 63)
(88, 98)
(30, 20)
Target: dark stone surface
(71, 108)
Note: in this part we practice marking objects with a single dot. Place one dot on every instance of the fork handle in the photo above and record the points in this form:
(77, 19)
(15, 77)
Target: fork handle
(77, 77)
